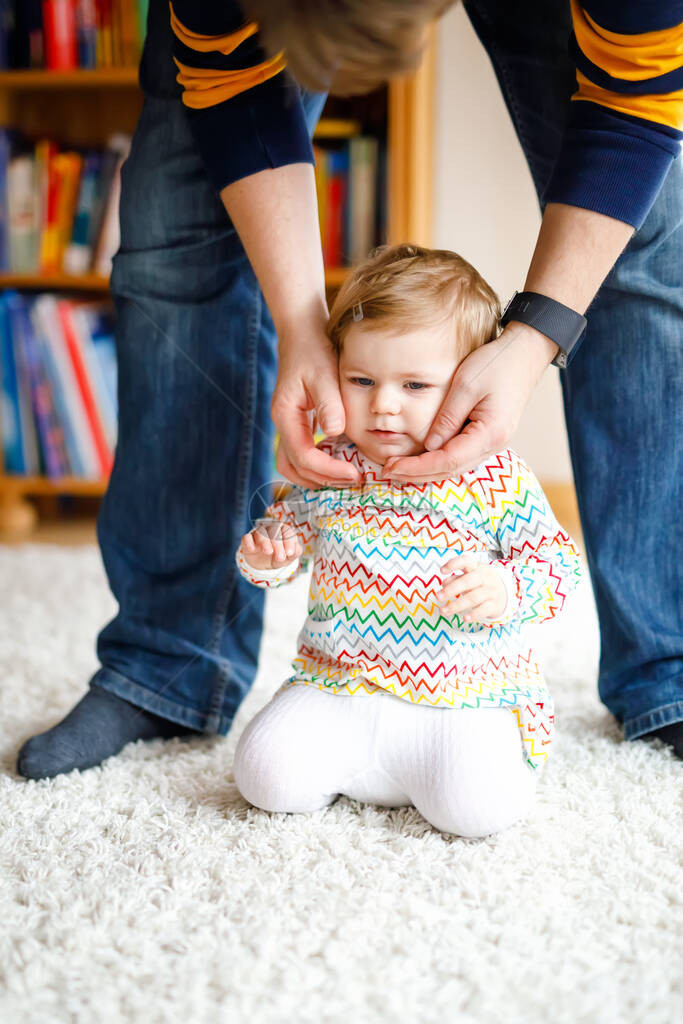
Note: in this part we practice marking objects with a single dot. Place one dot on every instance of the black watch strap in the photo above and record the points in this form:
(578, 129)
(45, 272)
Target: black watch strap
(561, 324)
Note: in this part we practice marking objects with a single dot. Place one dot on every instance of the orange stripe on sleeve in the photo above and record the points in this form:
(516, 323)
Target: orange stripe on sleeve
(633, 57)
(207, 44)
(666, 108)
(204, 87)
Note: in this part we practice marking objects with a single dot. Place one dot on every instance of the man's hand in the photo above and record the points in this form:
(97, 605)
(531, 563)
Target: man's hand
(490, 388)
(476, 594)
(308, 382)
(271, 546)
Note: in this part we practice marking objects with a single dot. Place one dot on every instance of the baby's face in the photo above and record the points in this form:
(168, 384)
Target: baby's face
(392, 386)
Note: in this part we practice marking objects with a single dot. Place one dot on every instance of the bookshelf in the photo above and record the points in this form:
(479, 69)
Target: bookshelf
(90, 105)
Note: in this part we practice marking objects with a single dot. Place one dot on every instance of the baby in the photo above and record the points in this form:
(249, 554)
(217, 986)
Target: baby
(414, 683)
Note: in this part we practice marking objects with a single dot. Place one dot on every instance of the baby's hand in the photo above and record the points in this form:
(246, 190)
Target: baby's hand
(271, 545)
(477, 593)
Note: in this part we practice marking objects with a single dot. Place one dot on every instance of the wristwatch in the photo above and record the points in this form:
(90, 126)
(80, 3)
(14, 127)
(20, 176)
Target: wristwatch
(561, 324)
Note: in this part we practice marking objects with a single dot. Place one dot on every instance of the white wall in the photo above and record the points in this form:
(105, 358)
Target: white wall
(485, 208)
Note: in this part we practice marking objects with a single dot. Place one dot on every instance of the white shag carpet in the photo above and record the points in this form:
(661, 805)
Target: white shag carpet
(148, 891)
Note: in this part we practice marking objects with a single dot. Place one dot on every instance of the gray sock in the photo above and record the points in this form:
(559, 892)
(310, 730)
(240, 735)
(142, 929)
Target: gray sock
(100, 725)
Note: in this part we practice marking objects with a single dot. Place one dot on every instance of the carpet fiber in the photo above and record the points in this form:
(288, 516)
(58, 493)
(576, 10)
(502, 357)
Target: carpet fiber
(148, 891)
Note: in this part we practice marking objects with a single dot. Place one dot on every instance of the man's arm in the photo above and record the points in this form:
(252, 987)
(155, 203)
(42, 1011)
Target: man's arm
(247, 118)
(623, 132)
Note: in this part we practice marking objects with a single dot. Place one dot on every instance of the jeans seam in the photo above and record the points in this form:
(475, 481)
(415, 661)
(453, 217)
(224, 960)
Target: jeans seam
(655, 719)
(244, 461)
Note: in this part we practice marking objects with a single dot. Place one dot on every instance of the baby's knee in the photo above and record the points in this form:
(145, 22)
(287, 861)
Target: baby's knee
(485, 784)
(474, 809)
(272, 772)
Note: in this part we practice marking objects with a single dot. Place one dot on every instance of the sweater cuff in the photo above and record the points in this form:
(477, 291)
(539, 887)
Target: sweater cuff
(507, 575)
(263, 128)
(266, 577)
(611, 164)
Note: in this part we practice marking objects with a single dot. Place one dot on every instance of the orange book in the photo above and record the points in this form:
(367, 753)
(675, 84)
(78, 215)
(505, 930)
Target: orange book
(49, 188)
(321, 189)
(69, 175)
(130, 42)
(116, 32)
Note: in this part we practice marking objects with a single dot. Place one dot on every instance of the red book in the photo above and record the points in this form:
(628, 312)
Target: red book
(61, 36)
(74, 344)
(337, 179)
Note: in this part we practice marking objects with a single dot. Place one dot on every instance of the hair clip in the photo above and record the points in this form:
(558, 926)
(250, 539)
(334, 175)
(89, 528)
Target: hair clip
(357, 313)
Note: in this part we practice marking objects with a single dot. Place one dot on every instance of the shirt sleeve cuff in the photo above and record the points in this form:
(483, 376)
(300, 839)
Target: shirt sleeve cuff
(263, 128)
(507, 575)
(266, 577)
(611, 164)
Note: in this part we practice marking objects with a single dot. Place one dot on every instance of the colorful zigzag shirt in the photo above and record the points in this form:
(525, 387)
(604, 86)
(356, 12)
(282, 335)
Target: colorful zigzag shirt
(373, 621)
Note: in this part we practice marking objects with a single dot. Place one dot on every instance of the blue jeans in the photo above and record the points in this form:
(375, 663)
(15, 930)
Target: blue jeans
(197, 365)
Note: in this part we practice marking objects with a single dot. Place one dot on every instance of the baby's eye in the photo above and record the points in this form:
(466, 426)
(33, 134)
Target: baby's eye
(416, 385)
(364, 382)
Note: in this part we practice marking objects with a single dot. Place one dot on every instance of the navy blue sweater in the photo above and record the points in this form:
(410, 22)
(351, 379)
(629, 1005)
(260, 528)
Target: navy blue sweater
(624, 129)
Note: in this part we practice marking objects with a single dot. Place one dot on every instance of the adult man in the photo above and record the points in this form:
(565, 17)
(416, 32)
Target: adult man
(196, 344)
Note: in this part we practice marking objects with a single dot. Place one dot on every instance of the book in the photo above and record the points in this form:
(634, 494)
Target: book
(320, 173)
(68, 168)
(111, 156)
(46, 313)
(337, 183)
(79, 252)
(10, 424)
(50, 434)
(75, 347)
(23, 213)
(109, 234)
(361, 202)
(60, 35)
(47, 178)
(31, 454)
(29, 45)
(84, 322)
(86, 22)
(75, 466)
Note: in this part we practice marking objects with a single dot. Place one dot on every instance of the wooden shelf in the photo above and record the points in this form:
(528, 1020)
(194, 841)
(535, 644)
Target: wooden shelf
(55, 282)
(102, 78)
(40, 485)
(334, 277)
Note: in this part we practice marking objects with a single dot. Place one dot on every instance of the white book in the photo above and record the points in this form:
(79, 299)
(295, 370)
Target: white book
(362, 196)
(110, 236)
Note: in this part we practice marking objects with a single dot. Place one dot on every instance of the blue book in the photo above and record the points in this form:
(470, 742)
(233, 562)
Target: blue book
(50, 432)
(12, 450)
(102, 334)
(75, 464)
(33, 464)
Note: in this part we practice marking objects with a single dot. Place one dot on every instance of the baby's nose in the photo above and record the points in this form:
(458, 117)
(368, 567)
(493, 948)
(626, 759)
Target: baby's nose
(385, 400)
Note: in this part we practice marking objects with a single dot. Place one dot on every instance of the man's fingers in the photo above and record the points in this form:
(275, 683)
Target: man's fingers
(300, 461)
(329, 411)
(467, 450)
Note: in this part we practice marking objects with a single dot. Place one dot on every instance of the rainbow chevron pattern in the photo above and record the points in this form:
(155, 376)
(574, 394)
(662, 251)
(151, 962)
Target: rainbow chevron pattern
(373, 621)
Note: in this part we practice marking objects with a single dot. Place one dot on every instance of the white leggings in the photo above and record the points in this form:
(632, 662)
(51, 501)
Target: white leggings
(464, 770)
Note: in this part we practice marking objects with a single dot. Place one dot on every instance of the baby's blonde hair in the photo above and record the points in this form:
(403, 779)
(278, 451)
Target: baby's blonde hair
(407, 287)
